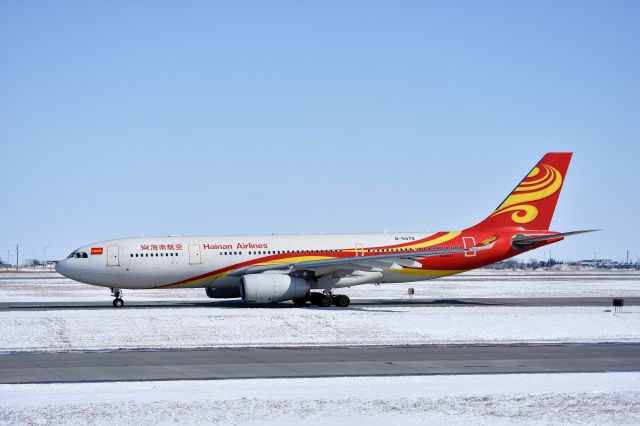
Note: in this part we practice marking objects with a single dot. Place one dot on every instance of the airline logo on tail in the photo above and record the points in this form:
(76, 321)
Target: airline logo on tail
(541, 183)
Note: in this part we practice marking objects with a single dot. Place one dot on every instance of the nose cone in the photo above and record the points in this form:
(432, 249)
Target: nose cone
(61, 267)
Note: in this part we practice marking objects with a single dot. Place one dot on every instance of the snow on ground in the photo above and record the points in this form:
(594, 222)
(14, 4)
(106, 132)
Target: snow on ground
(49, 287)
(592, 398)
(237, 326)
(496, 284)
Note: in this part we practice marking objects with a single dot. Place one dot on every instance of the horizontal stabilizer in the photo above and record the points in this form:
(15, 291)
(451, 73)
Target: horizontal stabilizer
(523, 241)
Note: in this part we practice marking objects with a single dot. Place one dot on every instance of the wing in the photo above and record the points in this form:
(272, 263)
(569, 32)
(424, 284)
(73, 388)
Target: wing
(375, 262)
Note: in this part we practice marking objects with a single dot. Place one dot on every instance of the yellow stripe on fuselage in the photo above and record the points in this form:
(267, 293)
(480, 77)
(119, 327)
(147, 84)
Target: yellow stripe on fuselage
(293, 260)
(197, 280)
(447, 237)
(268, 262)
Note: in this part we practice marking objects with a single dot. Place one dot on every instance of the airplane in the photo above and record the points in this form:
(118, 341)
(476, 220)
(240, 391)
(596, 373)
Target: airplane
(309, 268)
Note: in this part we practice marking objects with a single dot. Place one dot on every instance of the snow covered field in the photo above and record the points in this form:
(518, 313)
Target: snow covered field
(591, 398)
(49, 287)
(239, 327)
(236, 326)
(594, 398)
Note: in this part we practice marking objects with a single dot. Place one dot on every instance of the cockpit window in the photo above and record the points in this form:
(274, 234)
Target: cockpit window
(78, 255)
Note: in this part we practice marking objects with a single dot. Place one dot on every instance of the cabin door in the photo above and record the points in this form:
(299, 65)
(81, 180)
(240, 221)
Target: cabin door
(113, 256)
(195, 256)
(469, 242)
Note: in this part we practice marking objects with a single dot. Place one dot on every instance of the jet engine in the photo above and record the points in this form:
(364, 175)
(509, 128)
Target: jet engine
(270, 288)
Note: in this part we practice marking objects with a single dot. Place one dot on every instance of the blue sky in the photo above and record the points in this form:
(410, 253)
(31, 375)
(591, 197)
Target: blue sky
(123, 118)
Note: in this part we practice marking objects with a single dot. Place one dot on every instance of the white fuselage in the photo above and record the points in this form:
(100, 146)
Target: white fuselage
(175, 261)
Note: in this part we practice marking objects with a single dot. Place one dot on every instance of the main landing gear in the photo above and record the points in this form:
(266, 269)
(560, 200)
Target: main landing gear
(341, 300)
(324, 300)
(117, 302)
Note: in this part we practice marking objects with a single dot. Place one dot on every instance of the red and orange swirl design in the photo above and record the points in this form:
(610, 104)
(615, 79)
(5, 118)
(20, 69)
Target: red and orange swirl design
(542, 182)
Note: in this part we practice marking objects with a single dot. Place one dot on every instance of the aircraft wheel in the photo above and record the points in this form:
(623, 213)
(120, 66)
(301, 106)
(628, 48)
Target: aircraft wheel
(118, 302)
(341, 300)
(300, 302)
(324, 301)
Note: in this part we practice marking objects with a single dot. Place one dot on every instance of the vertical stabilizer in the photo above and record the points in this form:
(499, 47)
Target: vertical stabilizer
(532, 203)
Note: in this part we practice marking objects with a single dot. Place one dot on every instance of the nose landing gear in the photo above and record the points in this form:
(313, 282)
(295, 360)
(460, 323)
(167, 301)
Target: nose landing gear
(117, 302)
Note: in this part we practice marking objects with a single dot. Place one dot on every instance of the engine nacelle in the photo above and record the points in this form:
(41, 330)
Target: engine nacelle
(222, 293)
(270, 288)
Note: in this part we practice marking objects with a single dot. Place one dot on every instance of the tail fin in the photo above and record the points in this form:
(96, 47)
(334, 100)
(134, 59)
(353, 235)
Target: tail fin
(532, 203)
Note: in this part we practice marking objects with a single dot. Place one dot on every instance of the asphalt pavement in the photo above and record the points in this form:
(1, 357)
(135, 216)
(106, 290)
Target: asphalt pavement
(238, 304)
(201, 364)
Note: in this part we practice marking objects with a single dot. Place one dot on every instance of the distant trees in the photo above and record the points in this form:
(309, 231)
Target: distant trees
(532, 263)
(32, 262)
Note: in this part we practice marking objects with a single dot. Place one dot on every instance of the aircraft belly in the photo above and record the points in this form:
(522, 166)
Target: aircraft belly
(409, 275)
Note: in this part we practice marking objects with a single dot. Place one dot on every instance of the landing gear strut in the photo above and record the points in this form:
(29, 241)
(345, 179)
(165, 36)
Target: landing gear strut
(117, 302)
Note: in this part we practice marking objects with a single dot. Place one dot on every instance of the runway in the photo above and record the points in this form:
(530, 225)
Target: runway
(237, 304)
(316, 362)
